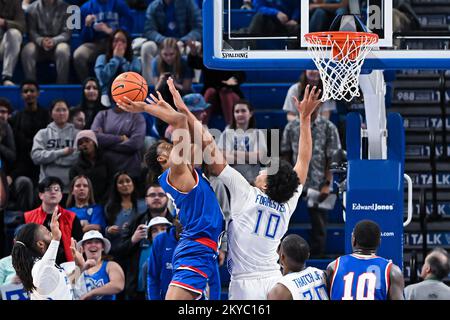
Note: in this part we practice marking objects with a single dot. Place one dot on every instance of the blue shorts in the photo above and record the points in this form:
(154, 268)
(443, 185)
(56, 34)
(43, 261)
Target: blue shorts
(193, 265)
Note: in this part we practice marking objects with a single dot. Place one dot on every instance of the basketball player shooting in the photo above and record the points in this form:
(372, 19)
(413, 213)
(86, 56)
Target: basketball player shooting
(196, 205)
(260, 215)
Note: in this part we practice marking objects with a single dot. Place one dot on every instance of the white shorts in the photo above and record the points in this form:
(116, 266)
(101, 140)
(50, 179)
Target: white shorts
(252, 289)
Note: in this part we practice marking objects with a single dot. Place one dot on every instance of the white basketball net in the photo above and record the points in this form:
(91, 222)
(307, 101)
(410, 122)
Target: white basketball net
(339, 64)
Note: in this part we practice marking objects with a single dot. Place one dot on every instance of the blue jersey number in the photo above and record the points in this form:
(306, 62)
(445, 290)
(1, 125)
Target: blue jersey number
(272, 223)
(321, 293)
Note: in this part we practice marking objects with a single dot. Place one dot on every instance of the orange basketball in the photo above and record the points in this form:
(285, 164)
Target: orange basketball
(131, 85)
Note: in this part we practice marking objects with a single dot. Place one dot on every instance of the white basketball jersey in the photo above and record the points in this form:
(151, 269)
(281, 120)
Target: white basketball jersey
(308, 284)
(257, 226)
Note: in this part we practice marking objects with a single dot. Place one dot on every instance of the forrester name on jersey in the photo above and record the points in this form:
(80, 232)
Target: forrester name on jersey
(372, 207)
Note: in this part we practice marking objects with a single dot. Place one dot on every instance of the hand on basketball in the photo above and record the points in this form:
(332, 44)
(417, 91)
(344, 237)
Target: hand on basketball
(132, 106)
(310, 101)
(179, 103)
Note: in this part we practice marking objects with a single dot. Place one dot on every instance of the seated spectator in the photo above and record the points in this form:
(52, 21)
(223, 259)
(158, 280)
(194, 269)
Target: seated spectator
(122, 208)
(90, 100)
(7, 149)
(121, 137)
(106, 278)
(77, 118)
(81, 201)
(435, 269)
(311, 77)
(170, 63)
(322, 13)
(326, 142)
(49, 38)
(7, 272)
(118, 59)
(25, 124)
(243, 144)
(12, 26)
(181, 20)
(53, 147)
(135, 247)
(276, 18)
(220, 88)
(92, 164)
(99, 20)
(196, 105)
(247, 5)
(159, 265)
(50, 193)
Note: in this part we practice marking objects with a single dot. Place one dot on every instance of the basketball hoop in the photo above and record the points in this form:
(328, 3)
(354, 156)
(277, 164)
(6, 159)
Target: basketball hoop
(340, 67)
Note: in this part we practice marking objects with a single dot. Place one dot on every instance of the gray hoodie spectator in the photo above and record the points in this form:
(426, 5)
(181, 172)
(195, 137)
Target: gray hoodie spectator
(121, 136)
(53, 146)
(49, 35)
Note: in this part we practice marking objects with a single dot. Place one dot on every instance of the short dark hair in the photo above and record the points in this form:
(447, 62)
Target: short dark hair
(367, 234)
(48, 181)
(439, 268)
(28, 81)
(55, 102)
(153, 166)
(282, 185)
(6, 103)
(295, 248)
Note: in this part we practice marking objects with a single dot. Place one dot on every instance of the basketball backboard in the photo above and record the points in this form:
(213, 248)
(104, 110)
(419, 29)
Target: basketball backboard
(230, 42)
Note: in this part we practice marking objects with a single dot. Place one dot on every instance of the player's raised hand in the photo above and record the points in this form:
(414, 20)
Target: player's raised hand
(132, 106)
(158, 101)
(177, 99)
(54, 225)
(310, 101)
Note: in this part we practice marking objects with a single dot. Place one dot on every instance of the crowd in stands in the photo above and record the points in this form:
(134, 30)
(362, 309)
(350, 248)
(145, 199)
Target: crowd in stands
(88, 161)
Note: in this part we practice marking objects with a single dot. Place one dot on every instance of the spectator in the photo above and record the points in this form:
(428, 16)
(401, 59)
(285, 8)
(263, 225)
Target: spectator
(50, 193)
(77, 118)
(170, 63)
(243, 144)
(81, 201)
(106, 278)
(325, 137)
(100, 18)
(276, 18)
(180, 19)
(322, 13)
(90, 100)
(311, 77)
(118, 59)
(121, 209)
(247, 5)
(49, 35)
(7, 272)
(134, 245)
(121, 136)
(33, 258)
(220, 88)
(196, 105)
(53, 147)
(12, 26)
(92, 164)
(159, 262)
(435, 269)
(25, 124)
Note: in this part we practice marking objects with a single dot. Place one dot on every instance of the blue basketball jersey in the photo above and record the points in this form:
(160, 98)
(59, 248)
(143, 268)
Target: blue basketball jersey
(97, 280)
(198, 210)
(360, 277)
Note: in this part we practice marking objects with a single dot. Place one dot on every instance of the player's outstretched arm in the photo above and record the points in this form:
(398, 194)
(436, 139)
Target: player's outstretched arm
(397, 284)
(216, 161)
(305, 109)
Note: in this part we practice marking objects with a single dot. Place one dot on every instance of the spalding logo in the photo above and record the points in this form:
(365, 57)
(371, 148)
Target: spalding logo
(242, 55)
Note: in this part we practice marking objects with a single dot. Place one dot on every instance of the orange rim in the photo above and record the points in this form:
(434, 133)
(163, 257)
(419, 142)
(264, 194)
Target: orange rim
(341, 36)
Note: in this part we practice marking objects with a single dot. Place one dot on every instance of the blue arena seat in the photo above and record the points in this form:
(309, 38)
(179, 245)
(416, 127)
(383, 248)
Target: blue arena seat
(239, 18)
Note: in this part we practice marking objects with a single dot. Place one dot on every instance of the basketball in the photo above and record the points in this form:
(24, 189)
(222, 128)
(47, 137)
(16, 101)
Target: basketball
(131, 85)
